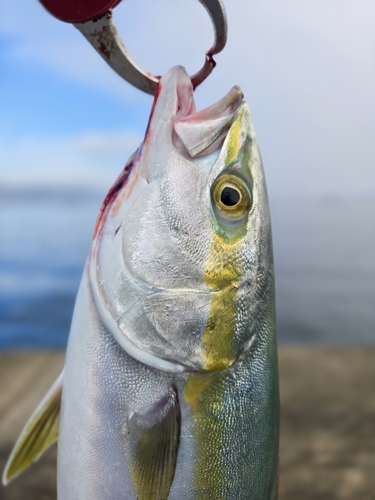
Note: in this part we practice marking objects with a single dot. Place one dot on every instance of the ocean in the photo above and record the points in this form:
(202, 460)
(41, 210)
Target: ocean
(324, 262)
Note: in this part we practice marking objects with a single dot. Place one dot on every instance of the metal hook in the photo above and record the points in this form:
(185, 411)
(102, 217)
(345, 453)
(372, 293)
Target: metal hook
(103, 36)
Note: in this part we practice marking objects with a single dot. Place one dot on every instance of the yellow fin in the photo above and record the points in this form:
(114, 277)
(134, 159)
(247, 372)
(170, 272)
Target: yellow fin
(40, 432)
(152, 442)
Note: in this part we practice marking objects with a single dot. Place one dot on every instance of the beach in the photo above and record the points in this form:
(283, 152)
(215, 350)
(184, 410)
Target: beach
(327, 444)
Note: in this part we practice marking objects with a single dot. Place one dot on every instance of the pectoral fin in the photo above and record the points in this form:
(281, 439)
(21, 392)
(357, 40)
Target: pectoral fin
(39, 433)
(152, 441)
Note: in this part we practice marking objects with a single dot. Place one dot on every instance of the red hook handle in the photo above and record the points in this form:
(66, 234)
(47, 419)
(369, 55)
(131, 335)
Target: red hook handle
(78, 11)
(93, 18)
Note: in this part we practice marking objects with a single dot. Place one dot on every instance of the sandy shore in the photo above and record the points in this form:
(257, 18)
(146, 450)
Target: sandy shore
(327, 448)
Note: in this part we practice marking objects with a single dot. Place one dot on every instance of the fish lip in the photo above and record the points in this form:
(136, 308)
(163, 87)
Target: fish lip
(175, 121)
(225, 106)
(203, 132)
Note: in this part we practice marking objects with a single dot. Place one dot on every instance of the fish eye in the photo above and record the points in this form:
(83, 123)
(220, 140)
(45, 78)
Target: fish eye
(231, 195)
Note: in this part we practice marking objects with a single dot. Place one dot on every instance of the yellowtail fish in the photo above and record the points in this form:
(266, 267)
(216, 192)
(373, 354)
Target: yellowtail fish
(170, 386)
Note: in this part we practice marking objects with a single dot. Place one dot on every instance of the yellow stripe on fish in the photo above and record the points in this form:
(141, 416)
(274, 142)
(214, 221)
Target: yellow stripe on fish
(204, 395)
(222, 273)
(205, 392)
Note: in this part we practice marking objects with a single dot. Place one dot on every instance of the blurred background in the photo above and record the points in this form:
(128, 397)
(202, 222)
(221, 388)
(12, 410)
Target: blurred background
(68, 124)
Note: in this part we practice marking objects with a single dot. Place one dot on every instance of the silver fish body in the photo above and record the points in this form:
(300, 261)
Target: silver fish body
(170, 387)
(165, 272)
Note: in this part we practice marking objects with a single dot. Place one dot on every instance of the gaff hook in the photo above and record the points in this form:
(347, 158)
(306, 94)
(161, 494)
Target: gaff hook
(94, 20)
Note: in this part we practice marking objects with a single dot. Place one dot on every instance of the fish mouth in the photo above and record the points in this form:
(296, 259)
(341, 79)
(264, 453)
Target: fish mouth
(202, 132)
(175, 121)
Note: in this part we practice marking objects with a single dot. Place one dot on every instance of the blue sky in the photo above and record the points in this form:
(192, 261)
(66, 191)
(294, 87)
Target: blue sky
(307, 70)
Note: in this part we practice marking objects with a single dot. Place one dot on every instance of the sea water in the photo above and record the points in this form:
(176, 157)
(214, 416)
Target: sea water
(324, 261)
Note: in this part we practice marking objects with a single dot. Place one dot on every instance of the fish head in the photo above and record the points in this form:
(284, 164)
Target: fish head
(182, 253)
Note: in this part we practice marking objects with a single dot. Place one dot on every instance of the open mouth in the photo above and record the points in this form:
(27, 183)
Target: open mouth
(202, 132)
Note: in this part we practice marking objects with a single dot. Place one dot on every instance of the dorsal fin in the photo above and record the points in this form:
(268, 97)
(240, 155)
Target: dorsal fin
(40, 432)
(151, 441)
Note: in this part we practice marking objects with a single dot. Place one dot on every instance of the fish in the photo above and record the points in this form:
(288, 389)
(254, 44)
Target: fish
(170, 385)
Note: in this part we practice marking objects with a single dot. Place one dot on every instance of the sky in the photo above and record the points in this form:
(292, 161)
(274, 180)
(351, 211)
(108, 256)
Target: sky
(307, 70)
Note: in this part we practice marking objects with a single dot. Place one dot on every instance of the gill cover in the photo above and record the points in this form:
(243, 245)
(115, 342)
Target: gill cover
(168, 258)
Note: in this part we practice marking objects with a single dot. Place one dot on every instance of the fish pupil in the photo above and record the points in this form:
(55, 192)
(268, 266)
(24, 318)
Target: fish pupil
(229, 197)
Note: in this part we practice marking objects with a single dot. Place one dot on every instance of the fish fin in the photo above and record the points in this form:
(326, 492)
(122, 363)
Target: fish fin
(152, 441)
(40, 432)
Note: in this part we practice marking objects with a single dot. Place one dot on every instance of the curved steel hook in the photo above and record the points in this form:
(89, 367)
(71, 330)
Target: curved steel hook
(103, 36)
